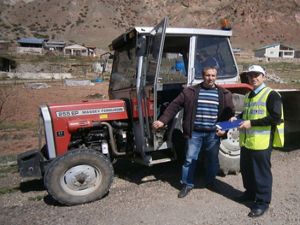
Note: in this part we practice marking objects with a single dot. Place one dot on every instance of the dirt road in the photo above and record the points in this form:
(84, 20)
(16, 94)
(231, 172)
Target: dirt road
(141, 195)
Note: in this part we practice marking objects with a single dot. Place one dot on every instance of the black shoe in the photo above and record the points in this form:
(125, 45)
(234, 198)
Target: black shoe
(245, 197)
(256, 212)
(184, 191)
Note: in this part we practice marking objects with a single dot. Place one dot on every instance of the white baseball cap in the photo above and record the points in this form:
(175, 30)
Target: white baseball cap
(256, 69)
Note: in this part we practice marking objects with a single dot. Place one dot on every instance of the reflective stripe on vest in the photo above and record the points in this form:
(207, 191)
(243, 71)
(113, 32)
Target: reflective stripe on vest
(258, 137)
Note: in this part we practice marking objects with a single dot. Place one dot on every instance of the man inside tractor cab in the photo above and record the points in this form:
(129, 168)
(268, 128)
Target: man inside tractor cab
(204, 105)
(203, 59)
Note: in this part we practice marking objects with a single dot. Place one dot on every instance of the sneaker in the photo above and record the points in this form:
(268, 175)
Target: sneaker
(184, 191)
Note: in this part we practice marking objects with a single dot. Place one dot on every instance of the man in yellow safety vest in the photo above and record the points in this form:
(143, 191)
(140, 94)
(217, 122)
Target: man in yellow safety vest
(261, 130)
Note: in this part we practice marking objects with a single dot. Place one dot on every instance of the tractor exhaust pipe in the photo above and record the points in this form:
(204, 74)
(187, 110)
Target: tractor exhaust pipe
(112, 142)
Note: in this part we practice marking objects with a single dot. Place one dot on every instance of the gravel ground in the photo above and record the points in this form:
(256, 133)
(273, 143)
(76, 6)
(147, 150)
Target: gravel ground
(141, 195)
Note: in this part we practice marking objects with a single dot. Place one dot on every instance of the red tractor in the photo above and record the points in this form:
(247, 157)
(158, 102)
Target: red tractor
(150, 68)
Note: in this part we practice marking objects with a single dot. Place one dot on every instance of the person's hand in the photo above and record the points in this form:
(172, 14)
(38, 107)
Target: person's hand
(220, 132)
(245, 124)
(157, 124)
(232, 119)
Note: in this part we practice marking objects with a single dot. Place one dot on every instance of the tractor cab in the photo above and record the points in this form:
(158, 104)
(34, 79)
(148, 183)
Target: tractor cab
(152, 65)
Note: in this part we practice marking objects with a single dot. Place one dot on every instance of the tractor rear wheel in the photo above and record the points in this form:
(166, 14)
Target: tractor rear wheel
(229, 153)
(78, 177)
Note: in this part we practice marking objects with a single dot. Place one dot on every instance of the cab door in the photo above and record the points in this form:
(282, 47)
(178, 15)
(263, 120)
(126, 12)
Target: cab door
(147, 75)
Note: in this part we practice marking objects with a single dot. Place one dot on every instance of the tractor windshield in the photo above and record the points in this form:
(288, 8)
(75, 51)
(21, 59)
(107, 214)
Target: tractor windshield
(214, 51)
(124, 69)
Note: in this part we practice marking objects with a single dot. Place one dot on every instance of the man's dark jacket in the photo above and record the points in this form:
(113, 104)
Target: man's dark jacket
(188, 100)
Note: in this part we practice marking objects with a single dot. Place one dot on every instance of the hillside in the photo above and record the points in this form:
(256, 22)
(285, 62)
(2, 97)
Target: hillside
(96, 22)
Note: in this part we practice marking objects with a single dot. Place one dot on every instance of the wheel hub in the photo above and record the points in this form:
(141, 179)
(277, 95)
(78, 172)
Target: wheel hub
(81, 178)
(234, 135)
(230, 146)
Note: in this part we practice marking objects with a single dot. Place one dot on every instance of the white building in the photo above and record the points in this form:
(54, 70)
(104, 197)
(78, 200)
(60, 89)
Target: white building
(76, 50)
(275, 51)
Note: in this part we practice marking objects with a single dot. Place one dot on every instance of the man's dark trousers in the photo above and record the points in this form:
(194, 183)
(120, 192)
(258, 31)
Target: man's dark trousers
(257, 175)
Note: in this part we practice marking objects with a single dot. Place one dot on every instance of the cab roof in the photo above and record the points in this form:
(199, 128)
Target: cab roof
(170, 31)
(185, 31)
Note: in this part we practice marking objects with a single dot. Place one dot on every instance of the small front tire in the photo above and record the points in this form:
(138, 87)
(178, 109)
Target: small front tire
(78, 177)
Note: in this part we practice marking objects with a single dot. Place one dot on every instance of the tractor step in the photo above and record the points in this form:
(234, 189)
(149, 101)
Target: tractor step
(158, 161)
(156, 157)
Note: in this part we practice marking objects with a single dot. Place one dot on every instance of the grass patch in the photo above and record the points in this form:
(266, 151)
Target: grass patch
(282, 66)
(36, 198)
(19, 125)
(7, 190)
(289, 72)
(8, 165)
(8, 169)
(273, 65)
(7, 158)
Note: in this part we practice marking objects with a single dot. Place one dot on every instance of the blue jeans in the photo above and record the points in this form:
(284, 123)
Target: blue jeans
(210, 143)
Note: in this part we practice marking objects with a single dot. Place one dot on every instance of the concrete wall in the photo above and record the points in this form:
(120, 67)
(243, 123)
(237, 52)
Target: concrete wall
(259, 53)
(28, 50)
(287, 54)
(272, 52)
(28, 75)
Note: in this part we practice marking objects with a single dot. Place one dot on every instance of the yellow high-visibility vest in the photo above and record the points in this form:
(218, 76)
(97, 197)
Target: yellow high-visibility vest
(258, 137)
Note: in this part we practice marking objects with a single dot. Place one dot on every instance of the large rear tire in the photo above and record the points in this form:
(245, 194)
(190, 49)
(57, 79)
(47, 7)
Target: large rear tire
(229, 154)
(78, 177)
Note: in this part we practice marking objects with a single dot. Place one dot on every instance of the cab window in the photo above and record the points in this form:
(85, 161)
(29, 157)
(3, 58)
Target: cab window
(214, 51)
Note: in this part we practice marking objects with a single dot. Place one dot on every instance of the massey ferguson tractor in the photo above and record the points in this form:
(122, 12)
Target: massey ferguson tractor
(83, 139)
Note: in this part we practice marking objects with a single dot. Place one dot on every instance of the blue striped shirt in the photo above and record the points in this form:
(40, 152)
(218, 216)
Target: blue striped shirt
(207, 109)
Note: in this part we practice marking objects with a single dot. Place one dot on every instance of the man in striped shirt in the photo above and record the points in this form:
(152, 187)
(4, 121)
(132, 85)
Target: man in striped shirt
(204, 105)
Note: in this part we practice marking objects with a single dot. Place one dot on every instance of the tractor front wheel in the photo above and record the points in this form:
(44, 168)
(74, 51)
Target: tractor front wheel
(78, 177)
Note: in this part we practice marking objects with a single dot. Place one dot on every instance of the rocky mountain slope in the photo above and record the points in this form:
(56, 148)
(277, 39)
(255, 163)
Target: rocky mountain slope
(96, 22)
